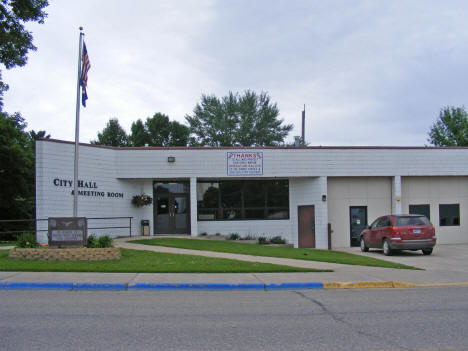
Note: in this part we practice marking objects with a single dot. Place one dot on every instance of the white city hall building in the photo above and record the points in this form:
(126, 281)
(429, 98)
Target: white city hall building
(292, 192)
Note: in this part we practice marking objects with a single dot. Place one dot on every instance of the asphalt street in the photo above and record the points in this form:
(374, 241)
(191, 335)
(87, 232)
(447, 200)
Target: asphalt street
(381, 320)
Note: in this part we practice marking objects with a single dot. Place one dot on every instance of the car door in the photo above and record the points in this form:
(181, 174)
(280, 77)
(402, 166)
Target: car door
(385, 229)
(372, 233)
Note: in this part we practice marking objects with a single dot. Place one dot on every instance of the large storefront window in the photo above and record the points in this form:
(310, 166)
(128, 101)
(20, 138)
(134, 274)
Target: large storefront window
(243, 199)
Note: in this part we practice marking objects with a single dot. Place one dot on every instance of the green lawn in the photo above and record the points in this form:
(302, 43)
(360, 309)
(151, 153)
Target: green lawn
(136, 261)
(273, 251)
(13, 243)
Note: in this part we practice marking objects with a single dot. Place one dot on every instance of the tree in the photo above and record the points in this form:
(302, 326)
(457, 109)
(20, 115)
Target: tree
(17, 171)
(112, 135)
(42, 134)
(15, 40)
(139, 135)
(16, 168)
(159, 131)
(235, 120)
(451, 128)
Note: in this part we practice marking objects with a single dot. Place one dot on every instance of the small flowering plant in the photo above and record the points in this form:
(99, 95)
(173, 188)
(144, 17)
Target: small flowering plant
(142, 200)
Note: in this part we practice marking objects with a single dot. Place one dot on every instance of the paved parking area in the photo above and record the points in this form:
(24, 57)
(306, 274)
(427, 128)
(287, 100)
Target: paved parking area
(453, 258)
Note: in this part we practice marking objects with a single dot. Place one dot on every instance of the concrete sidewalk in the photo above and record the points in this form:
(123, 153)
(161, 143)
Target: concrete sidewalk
(448, 265)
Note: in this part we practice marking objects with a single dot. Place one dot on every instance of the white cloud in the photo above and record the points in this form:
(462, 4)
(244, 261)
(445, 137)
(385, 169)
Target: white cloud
(370, 73)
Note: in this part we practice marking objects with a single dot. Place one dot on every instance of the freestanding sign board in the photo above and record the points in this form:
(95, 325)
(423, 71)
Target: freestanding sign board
(67, 231)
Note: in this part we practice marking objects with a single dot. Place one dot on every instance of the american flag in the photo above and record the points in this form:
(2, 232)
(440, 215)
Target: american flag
(84, 74)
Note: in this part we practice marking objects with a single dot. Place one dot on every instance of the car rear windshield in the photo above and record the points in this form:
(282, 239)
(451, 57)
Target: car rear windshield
(408, 221)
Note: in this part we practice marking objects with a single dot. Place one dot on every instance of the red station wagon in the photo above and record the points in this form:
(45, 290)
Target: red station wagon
(399, 232)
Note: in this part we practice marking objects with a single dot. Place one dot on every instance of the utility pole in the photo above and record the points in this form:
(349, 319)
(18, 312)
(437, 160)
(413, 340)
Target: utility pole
(303, 127)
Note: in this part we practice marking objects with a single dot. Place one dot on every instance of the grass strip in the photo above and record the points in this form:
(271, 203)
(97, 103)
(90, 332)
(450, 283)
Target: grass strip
(137, 261)
(273, 251)
(8, 243)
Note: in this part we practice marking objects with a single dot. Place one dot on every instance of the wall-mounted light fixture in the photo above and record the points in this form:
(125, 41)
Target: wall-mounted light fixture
(324, 197)
(398, 197)
(171, 159)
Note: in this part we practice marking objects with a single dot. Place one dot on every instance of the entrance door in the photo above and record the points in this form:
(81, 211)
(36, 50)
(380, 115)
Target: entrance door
(306, 226)
(171, 209)
(358, 222)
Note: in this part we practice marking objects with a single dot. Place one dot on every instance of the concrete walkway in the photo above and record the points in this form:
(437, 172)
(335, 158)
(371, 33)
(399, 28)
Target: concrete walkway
(447, 265)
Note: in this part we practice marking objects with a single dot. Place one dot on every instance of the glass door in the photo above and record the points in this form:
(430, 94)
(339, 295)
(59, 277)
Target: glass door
(162, 215)
(171, 208)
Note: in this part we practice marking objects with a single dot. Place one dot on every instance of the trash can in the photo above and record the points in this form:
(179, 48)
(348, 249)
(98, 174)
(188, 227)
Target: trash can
(145, 228)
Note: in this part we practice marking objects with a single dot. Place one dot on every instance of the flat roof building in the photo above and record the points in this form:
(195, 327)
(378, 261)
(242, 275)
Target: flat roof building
(292, 192)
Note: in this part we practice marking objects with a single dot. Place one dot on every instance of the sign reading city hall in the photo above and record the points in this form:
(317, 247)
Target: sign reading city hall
(244, 163)
(87, 188)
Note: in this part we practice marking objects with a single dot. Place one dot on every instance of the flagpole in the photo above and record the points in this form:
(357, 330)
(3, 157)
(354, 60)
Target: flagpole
(77, 129)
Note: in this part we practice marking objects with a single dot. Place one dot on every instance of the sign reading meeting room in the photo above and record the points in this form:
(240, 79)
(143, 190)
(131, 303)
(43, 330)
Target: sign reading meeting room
(86, 188)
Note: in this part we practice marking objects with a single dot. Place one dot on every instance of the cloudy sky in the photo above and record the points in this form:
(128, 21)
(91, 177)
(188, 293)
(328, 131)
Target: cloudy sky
(369, 72)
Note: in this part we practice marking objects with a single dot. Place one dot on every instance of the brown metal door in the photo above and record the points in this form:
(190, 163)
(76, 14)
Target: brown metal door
(306, 223)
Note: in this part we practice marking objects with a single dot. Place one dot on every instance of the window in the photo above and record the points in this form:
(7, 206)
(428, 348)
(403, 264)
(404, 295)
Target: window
(449, 215)
(243, 199)
(385, 222)
(420, 209)
(404, 221)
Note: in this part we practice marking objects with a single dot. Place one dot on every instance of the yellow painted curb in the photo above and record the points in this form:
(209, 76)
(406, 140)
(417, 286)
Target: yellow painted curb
(358, 285)
(385, 285)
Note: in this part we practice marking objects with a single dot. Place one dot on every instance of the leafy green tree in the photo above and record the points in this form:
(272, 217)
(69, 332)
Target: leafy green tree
(139, 135)
(42, 134)
(451, 128)
(179, 134)
(16, 169)
(159, 131)
(155, 131)
(112, 135)
(15, 40)
(237, 120)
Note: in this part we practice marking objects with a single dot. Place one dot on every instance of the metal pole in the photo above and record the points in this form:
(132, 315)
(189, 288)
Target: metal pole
(303, 127)
(77, 129)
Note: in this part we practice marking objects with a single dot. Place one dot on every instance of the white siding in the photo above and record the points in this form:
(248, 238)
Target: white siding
(435, 191)
(348, 176)
(373, 192)
(309, 191)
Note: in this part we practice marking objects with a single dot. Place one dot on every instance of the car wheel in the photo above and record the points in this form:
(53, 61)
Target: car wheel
(364, 248)
(427, 251)
(386, 248)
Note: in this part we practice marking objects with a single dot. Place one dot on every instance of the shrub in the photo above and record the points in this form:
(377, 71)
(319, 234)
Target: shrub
(91, 242)
(101, 242)
(234, 236)
(105, 241)
(203, 234)
(27, 240)
(218, 234)
(277, 240)
(262, 240)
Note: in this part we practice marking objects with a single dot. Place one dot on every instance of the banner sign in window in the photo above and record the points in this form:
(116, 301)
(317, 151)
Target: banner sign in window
(244, 163)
